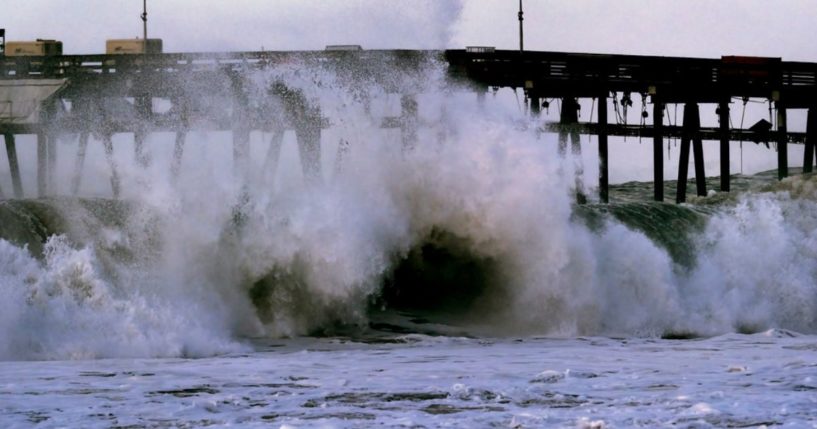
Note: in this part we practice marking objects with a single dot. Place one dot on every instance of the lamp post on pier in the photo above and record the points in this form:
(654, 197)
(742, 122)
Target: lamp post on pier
(521, 38)
(145, 20)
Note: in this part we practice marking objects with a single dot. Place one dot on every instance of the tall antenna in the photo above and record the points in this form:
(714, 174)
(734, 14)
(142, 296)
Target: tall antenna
(145, 20)
(521, 38)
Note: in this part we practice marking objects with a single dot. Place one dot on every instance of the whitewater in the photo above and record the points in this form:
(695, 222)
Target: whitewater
(454, 283)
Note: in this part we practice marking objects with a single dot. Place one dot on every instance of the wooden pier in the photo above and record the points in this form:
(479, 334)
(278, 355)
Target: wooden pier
(108, 94)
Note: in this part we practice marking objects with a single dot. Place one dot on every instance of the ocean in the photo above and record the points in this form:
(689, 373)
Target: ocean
(453, 283)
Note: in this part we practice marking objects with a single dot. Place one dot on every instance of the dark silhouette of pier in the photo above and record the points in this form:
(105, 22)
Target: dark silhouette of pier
(109, 94)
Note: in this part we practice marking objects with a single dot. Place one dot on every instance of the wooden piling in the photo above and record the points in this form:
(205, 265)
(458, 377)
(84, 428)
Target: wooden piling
(604, 192)
(144, 111)
(42, 164)
(782, 142)
(309, 148)
(690, 135)
(340, 157)
(409, 118)
(181, 135)
(273, 153)
(115, 182)
(79, 163)
(658, 149)
(51, 140)
(723, 113)
(698, 151)
(241, 150)
(811, 139)
(535, 106)
(569, 115)
(178, 151)
(14, 165)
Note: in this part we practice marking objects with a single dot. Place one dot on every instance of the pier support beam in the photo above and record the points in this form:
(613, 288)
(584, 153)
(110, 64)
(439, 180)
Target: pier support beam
(811, 139)
(107, 142)
(535, 105)
(42, 164)
(241, 150)
(782, 142)
(409, 118)
(723, 114)
(309, 147)
(51, 139)
(570, 117)
(270, 168)
(14, 165)
(79, 163)
(481, 92)
(144, 110)
(691, 134)
(604, 191)
(181, 135)
(178, 152)
(658, 149)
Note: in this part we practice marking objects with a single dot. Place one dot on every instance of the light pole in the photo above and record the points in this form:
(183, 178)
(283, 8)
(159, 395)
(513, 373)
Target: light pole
(145, 20)
(521, 39)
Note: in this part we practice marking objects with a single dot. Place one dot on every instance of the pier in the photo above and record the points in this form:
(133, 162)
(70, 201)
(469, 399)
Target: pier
(106, 94)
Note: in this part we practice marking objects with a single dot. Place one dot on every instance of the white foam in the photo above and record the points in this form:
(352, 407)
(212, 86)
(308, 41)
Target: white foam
(491, 181)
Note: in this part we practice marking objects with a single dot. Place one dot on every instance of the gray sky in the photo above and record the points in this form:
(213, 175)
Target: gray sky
(708, 28)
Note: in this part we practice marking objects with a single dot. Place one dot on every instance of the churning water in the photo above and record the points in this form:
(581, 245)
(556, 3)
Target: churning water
(453, 283)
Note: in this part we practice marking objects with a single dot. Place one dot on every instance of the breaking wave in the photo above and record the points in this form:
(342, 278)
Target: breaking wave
(476, 226)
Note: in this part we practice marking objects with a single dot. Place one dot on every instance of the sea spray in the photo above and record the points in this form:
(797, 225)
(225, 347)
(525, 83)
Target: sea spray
(213, 255)
(61, 308)
(757, 264)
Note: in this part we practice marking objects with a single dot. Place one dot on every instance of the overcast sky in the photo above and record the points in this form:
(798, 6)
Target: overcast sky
(708, 28)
